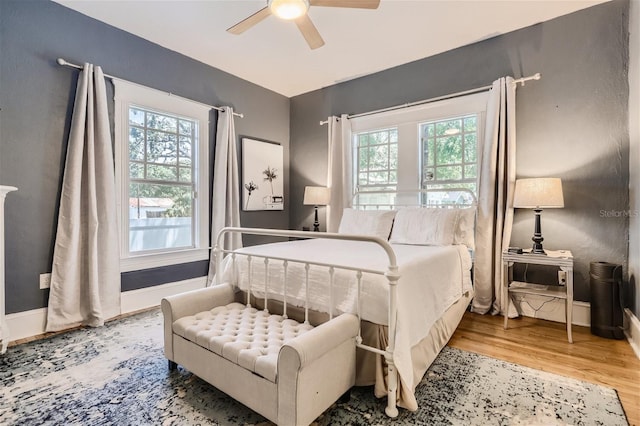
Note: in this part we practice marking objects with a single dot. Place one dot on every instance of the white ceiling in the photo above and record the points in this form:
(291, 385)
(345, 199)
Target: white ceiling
(274, 55)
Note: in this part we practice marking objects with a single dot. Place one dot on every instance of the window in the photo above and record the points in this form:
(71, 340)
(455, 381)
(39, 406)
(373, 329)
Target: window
(161, 168)
(377, 160)
(433, 146)
(449, 157)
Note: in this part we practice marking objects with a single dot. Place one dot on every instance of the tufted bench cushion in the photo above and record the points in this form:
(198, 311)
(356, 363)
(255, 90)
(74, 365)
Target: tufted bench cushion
(246, 336)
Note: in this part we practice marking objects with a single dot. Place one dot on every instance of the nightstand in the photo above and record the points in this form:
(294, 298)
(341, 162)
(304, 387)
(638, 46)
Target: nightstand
(563, 259)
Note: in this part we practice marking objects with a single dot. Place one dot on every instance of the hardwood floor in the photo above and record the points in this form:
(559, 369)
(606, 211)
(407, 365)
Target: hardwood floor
(543, 345)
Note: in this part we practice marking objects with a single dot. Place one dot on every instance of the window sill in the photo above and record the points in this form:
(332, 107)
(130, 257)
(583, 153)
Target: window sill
(137, 263)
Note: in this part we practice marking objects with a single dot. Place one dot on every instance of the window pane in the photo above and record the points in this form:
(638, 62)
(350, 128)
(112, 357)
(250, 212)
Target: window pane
(378, 178)
(429, 130)
(162, 122)
(449, 150)
(362, 179)
(363, 159)
(470, 123)
(428, 154)
(449, 127)
(185, 146)
(449, 173)
(393, 136)
(470, 171)
(185, 174)
(470, 143)
(136, 144)
(157, 172)
(393, 157)
(136, 170)
(381, 157)
(136, 117)
(185, 127)
(379, 137)
(161, 147)
(159, 217)
(377, 159)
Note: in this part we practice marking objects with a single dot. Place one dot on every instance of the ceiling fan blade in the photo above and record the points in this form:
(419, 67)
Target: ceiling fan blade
(356, 4)
(252, 20)
(309, 32)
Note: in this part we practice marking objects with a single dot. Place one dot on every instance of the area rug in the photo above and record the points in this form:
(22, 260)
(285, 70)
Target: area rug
(117, 375)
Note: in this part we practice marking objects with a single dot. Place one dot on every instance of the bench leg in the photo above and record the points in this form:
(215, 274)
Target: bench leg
(172, 365)
(346, 397)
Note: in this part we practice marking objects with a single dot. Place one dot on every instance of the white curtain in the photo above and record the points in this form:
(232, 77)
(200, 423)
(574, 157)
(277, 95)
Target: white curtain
(226, 187)
(340, 170)
(495, 196)
(85, 276)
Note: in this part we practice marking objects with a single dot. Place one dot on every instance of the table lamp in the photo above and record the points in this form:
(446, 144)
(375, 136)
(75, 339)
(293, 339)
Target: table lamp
(316, 196)
(538, 194)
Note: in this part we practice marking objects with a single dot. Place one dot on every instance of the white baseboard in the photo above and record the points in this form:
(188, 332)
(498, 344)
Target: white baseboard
(32, 323)
(542, 307)
(632, 330)
(135, 300)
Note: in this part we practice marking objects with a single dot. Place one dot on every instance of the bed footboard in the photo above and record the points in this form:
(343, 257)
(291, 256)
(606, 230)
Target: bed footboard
(390, 273)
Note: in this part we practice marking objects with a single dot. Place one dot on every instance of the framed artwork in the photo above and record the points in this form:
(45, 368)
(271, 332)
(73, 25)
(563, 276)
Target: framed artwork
(262, 180)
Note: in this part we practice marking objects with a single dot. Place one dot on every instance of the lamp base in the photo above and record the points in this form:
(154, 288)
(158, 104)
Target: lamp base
(537, 235)
(316, 224)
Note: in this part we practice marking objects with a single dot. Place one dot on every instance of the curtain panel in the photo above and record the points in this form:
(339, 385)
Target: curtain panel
(85, 276)
(226, 187)
(495, 197)
(340, 170)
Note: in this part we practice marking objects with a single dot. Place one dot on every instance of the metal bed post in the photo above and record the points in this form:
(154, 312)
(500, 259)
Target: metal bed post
(392, 375)
(217, 255)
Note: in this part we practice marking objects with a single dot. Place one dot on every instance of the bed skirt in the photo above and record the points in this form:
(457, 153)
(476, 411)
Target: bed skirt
(371, 368)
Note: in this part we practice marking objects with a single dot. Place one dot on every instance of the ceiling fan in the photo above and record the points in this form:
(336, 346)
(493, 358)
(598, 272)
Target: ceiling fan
(296, 10)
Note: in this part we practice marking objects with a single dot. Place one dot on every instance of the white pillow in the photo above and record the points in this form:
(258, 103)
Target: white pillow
(424, 226)
(375, 223)
(465, 229)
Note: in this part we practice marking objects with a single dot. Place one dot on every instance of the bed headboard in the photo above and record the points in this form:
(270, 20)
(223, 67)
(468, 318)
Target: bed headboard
(393, 199)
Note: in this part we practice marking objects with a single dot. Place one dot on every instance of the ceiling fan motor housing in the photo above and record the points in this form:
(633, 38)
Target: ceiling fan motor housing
(288, 9)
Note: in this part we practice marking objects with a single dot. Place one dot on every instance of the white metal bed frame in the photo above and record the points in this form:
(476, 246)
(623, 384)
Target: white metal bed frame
(391, 273)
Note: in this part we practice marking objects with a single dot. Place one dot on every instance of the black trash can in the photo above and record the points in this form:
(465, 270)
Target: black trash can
(606, 300)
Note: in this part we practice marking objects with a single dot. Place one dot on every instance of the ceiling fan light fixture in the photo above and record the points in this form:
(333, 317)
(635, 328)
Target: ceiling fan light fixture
(288, 9)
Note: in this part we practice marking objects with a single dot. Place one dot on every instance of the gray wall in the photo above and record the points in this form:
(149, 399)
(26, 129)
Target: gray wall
(571, 124)
(36, 97)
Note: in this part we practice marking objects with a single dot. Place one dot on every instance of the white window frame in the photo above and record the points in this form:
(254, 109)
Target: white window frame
(408, 121)
(128, 95)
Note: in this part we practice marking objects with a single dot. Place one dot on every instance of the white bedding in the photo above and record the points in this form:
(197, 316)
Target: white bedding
(432, 278)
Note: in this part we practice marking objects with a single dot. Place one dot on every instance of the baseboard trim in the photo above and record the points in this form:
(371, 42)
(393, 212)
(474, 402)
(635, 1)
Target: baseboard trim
(31, 323)
(632, 330)
(135, 300)
(552, 309)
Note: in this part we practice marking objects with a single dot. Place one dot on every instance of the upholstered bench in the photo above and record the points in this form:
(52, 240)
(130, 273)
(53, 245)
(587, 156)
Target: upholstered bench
(289, 372)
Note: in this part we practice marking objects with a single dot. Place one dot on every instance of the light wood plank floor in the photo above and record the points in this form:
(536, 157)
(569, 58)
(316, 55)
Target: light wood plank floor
(543, 345)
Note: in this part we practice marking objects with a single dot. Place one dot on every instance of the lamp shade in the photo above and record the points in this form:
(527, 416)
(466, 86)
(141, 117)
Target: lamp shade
(316, 196)
(538, 193)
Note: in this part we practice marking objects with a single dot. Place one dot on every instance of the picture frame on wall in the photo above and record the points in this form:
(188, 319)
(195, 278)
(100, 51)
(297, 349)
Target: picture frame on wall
(262, 179)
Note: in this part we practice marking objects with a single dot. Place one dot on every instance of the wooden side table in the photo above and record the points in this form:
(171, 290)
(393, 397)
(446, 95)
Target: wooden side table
(563, 259)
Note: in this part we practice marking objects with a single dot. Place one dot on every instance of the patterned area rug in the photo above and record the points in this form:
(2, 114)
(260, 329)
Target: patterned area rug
(117, 374)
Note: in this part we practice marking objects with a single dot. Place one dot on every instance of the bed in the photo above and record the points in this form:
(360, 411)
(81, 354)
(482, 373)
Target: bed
(405, 273)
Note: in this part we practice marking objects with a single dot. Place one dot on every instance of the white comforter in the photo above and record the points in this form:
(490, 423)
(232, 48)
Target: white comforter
(432, 278)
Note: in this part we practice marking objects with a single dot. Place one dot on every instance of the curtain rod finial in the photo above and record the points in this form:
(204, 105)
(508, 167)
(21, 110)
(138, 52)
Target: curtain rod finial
(61, 61)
